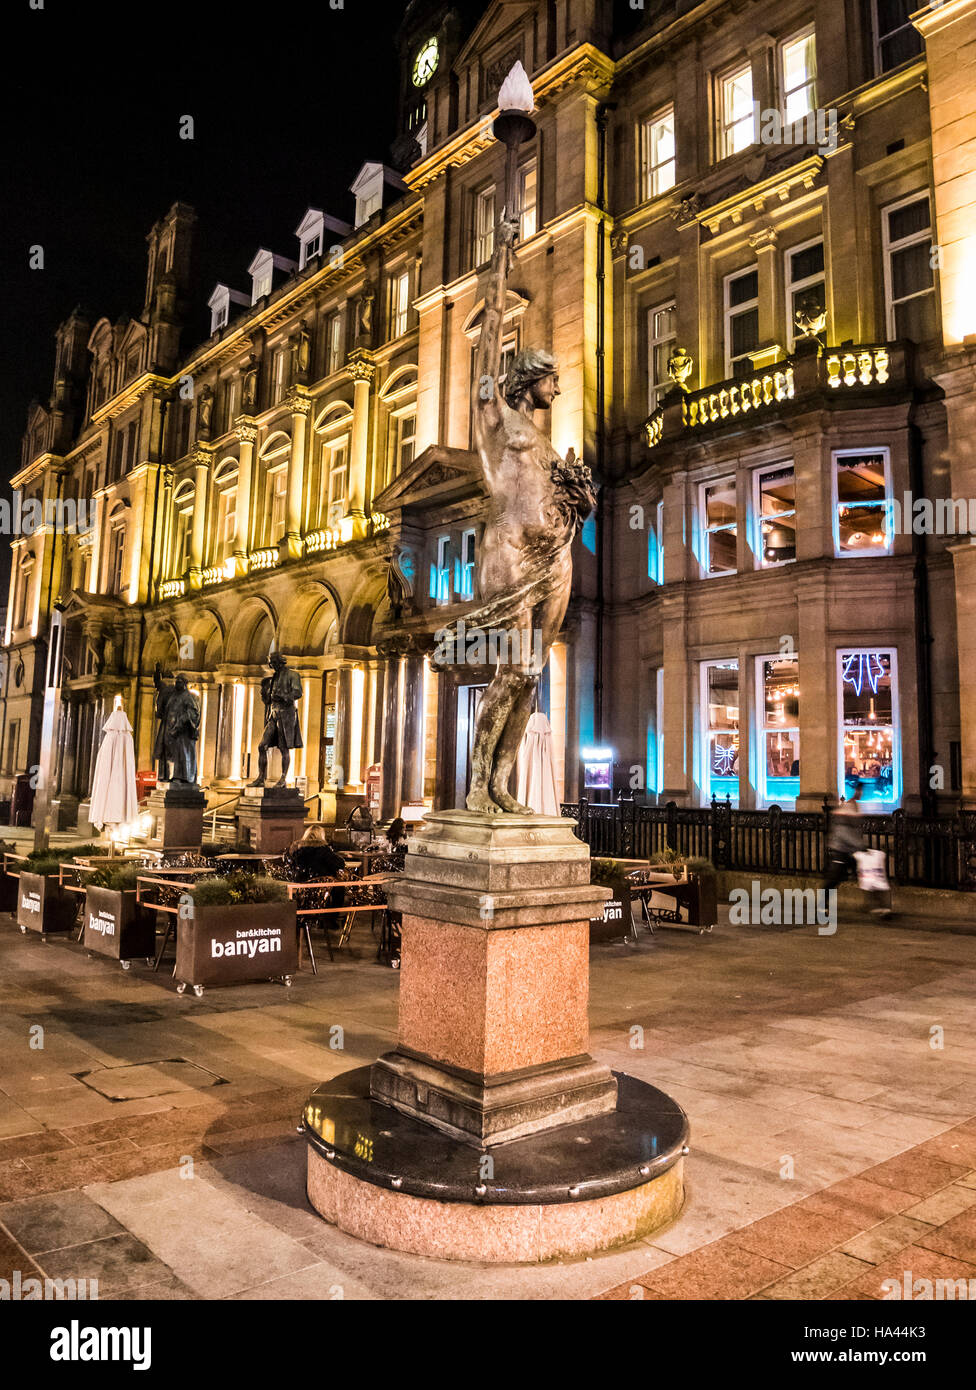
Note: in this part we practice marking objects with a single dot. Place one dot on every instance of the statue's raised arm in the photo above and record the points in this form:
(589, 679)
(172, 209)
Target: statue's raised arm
(485, 393)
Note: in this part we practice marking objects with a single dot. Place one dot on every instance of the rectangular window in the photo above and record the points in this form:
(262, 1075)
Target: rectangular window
(280, 372)
(655, 546)
(117, 561)
(896, 39)
(219, 318)
(118, 456)
(720, 730)
(662, 329)
(338, 476)
(440, 572)
(741, 321)
(525, 199)
(657, 155)
(806, 288)
(484, 225)
(406, 439)
(862, 489)
(870, 751)
(278, 491)
(399, 302)
(13, 745)
(232, 396)
(778, 719)
(226, 523)
(798, 75)
(719, 526)
(909, 275)
(774, 504)
(311, 248)
(181, 544)
(735, 111)
(465, 568)
(333, 339)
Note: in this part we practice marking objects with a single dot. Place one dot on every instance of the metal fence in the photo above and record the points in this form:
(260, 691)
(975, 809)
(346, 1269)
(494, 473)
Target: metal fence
(930, 852)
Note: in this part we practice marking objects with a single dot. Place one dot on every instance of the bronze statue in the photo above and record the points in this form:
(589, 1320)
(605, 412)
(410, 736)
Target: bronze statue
(537, 502)
(280, 693)
(175, 747)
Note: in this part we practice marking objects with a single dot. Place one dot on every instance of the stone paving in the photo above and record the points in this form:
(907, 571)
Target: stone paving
(830, 1083)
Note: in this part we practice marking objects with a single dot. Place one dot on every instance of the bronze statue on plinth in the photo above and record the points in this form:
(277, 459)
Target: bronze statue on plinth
(537, 502)
(175, 746)
(280, 694)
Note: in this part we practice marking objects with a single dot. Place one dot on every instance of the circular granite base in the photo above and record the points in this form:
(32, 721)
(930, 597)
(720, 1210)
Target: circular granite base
(574, 1190)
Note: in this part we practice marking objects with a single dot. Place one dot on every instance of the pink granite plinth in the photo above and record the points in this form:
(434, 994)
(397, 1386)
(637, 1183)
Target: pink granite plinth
(491, 1234)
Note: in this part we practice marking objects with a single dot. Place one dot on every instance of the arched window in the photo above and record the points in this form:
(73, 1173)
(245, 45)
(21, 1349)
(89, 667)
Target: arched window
(225, 510)
(329, 497)
(182, 528)
(275, 453)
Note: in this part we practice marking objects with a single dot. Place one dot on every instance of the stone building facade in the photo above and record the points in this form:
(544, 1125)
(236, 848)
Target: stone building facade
(751, 617)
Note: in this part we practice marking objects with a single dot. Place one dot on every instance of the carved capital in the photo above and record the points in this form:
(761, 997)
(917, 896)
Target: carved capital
(298, 401)
(764, 239)
(245, 429)
(361, 366)
(687, 210)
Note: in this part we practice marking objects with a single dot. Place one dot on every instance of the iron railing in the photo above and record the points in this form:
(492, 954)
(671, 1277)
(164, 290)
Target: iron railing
(931, 852)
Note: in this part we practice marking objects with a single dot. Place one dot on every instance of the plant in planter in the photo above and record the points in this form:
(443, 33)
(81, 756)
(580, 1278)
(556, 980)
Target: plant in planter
(116, 925)
(234, 929)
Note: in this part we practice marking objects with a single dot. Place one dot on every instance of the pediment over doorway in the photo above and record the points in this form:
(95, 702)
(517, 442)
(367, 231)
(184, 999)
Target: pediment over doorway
(440, 474)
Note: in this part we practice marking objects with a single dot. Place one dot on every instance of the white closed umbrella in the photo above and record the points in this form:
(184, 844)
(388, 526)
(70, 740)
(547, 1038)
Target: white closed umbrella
(113, 799)
(536, 770)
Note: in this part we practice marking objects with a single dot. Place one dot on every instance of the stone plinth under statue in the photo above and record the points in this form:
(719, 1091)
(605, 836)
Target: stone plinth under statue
(177, 816)
(489, 1132)
(270, 818)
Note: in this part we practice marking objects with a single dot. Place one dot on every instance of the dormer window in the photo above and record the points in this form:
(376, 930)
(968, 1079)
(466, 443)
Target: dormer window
(219, 305)
(311, 233)
(261, 271)
(368, 189)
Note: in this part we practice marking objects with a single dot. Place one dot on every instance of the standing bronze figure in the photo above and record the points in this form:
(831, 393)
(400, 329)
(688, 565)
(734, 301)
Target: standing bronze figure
(280, 693)
(537, 502)
(175, 746)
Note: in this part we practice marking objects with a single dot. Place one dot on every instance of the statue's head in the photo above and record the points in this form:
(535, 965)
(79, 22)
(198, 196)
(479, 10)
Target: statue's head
(276, 661)
(180, 683)
(533, 373)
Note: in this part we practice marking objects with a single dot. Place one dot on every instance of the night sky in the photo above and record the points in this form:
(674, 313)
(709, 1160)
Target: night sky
(288, 102)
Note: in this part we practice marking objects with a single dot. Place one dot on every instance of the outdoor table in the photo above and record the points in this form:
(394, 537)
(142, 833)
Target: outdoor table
(348, 911)
(682, 893)
(250, 858)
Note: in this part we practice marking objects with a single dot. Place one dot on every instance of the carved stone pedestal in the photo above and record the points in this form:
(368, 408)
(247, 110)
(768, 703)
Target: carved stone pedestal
(490, 1099)
(177, 816)
(270, 818)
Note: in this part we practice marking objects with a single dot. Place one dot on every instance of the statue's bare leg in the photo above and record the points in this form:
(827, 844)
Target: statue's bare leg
(285, 765)
(508, 746)
(262, 765)
(493, 715)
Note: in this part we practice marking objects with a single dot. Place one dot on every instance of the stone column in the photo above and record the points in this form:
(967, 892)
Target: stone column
(343, 734)
(678, 720)
(412, 759)
(763, 243)
(299, 404)
(207, 757)
(247, 434)
(202, 469)
(390, 806)
(314, 730)
(362, 370)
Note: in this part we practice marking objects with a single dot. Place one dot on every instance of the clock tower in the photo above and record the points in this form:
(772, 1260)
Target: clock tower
(428, 41)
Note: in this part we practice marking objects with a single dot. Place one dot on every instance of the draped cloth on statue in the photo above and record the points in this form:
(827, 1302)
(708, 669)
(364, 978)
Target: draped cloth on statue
(113, 799)
(536, 768)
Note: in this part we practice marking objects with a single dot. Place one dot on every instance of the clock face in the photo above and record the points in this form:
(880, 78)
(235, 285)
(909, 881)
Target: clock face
(425, 63)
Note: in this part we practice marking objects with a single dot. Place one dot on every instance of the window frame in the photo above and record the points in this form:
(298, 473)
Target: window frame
(482, 237)
(808, 32)
(761, 563)
(706, 530)
(792, 287)
(879, 68)
(730, 311)
(889, 247)
(400, 441)
(648, 184)
(116, 557)
(523, 210)
(399, 303)
(763, 799)
(874, 551)
(656, 391)
(440, 572)
(897, 778)
(707, 733)
(336, 449)
(723, 132)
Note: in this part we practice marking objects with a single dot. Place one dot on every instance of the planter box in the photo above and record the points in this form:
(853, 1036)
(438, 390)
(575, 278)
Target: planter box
(8, 893)
(616, 920)
(234, 944)
(43, 906)
(117, 926)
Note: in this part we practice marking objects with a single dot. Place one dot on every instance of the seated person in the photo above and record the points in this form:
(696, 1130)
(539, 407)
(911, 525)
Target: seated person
(311, 859)
(394, 845)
